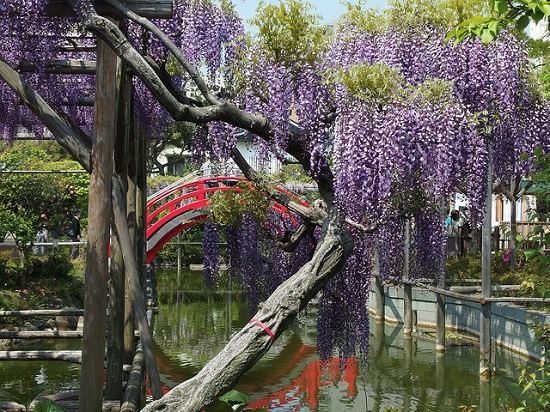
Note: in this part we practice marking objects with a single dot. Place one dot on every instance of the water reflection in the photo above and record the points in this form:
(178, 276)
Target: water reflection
(404, 374)
(23, 374)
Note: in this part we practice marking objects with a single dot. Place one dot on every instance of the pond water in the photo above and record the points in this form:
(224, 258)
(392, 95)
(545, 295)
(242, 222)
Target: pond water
(401, 375)
(193, 325)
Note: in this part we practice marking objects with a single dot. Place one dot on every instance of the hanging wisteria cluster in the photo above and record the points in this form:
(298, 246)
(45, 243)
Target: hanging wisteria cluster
(31, 40)
(429, 133)
(253, 256)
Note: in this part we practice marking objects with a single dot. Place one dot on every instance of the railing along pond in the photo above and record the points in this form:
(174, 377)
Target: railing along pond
(134, 392)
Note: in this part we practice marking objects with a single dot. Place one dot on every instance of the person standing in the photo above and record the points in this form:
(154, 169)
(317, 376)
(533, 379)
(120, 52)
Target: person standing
(41, 237)
(74, 229)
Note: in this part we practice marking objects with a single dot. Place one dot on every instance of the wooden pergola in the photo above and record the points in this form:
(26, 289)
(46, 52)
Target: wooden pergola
(117, 192)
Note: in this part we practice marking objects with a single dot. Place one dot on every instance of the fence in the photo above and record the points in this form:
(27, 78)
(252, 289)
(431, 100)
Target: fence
(132, 396)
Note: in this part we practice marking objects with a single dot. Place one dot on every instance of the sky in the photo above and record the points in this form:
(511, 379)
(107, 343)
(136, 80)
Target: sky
(329, 10)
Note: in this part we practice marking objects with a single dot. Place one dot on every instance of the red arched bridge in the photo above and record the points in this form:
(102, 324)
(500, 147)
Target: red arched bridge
(184, 204)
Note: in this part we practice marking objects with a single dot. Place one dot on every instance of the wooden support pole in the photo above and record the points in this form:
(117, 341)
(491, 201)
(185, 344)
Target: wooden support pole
(115, 358)
(136, 290)
(440, 319)
(407, 288)
(131, 205)
(99, 212)
(380, 305)
(132, 395)
(485, 312)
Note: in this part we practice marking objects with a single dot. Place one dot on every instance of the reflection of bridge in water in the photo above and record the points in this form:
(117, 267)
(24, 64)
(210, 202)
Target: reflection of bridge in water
(402, 373)
(184, 204)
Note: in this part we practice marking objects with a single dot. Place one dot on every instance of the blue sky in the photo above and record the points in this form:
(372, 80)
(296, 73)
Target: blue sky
(329, 10)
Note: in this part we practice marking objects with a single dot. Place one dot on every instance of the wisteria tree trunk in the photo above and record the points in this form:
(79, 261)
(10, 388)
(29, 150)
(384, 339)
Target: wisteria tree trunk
(252, 342)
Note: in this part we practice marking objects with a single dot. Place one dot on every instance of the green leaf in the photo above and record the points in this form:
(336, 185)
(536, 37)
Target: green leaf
(529, 253)
(487, 36)
(48, 406)
(234, 397)
(537, 16)
(522, 22)
(500, 6)
(545, 8)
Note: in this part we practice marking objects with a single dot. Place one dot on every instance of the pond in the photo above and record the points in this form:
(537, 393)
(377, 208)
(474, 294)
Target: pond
(401, 375)
(192, 325)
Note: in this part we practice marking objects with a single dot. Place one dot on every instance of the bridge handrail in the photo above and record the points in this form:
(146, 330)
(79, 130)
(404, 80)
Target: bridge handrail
(173, 203)
(162, 192)
(193, 183)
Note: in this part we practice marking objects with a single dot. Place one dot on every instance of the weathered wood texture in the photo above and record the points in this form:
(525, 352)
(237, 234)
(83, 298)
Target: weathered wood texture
(132, 395)
(40, 334)
(62, 67)
(115, 343)
(146, 337)
(158, 9)
(99, 213)
(74, 356)
(42, 312)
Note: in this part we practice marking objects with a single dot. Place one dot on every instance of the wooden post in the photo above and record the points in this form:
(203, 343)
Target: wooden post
(130, 261)
(407, 288)
(380, 305)
(440, 327)
(440, 318)
(129, 318)
(485, 312)
(115, 342)
(132, 395)
(99, 212)
(141, 204)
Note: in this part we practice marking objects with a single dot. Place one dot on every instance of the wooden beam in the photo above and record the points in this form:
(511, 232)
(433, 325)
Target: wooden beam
(74, 356)
(42, 312)
(157, 9)
(40, 334)
(61, 67)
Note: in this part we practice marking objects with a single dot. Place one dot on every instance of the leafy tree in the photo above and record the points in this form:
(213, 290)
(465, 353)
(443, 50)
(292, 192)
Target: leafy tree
(502, 14)
(29, 199)
(177, 136)
(392, 120)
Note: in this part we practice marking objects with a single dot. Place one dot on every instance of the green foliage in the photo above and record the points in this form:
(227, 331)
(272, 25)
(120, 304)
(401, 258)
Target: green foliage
(28, 200)
(48, 406)
(232, 401)
(447, 13)
(503, 13)
(231, 206)
(24, 397)
(377, 82)
(177, 139)
(289, 30)
(404, 14)
(530, 275)
(382, 84)
(292, 173)
(191, 248)
(531, 391)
